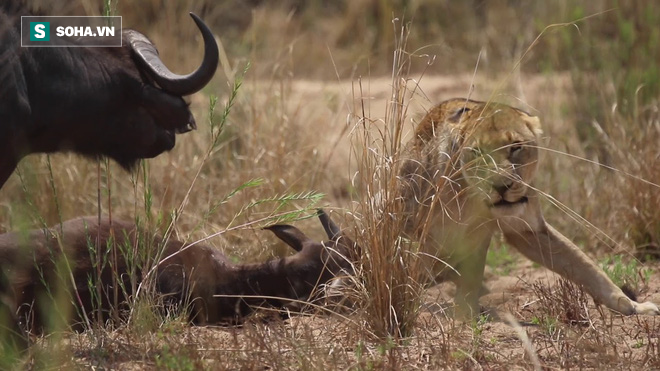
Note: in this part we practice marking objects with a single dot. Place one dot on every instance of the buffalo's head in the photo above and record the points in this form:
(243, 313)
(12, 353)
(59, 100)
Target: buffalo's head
(121, 102)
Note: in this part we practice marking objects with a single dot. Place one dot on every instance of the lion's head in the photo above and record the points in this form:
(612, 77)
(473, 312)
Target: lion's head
(494, 145)
(467, 174)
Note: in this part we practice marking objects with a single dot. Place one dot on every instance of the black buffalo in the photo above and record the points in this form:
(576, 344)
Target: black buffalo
(119, 102)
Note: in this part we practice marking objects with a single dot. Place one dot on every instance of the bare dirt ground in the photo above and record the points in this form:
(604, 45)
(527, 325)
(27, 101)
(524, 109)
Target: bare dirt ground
(519, 334)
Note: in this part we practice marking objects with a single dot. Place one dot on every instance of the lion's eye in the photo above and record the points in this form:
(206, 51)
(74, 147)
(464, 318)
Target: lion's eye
(515, 148)
(457, 114)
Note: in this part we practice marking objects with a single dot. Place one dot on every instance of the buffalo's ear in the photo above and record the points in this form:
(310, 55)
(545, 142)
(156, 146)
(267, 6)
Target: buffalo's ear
(331, 229)
(291, 235)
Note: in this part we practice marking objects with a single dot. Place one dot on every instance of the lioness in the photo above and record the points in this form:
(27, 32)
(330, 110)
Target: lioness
(468, 173)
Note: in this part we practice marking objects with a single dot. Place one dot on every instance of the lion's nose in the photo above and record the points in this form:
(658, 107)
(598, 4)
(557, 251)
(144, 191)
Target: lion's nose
(501, 188)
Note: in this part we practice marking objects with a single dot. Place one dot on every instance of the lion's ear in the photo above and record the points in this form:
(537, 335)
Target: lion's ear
(534, 124)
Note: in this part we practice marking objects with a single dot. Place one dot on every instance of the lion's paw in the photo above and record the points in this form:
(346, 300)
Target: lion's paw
(647, 308)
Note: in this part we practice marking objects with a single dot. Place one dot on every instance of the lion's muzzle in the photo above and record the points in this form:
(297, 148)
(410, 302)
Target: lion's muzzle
(505, 203)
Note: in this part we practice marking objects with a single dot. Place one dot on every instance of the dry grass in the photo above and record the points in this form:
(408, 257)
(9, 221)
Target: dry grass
(391, 276)
(342, 139)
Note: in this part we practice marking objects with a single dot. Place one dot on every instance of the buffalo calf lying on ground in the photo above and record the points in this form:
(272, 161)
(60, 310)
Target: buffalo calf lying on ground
(197, 277)
(117, 102)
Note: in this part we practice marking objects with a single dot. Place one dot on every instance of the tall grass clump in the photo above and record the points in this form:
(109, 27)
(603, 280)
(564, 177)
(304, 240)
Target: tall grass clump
(391, 271)
(635, 179)
(617, 89)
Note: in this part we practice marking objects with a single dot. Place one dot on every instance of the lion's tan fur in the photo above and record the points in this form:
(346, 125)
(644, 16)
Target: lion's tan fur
(468, 173)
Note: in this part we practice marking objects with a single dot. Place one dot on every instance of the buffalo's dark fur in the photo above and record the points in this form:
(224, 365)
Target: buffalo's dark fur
(93, 101)
(198, 277)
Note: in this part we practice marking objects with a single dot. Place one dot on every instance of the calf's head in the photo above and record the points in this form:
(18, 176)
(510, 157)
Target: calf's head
(322, 260)
(286, 282)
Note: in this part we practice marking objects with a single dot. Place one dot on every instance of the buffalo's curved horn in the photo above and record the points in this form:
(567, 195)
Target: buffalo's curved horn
(172, 83)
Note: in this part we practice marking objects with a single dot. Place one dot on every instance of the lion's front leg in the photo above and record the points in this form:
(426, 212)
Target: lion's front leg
(470, 266)
(550, 248)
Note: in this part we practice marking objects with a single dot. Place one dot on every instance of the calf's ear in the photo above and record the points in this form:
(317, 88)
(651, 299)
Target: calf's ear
(331, 229)
(291, 235)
